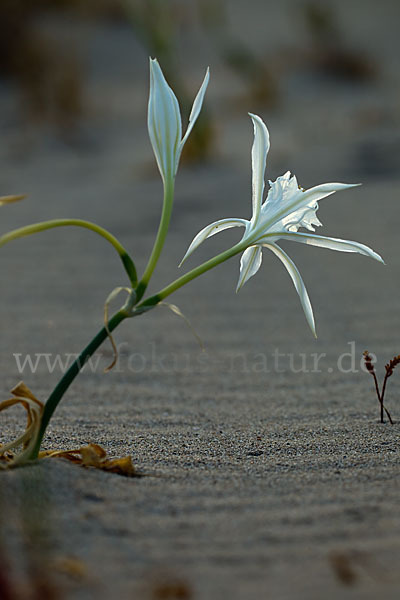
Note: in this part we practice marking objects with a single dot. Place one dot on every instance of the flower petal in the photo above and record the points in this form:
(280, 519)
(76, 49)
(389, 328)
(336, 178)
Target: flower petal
(323, 190)
(196, 108)
(250, 262)
(259, 153)
(332, 244)
(164, 122)
(298, 283)
(211, 230)
(280, 192)
(306, 217)
(293, 200)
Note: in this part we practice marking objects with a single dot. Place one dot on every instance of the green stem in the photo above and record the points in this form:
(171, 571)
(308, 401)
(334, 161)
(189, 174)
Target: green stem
(196, 272)
(160, 239)
(122, 314)
(44, 225)
(70, 375)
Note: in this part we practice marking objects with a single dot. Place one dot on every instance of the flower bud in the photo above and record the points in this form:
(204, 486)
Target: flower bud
(164, 121)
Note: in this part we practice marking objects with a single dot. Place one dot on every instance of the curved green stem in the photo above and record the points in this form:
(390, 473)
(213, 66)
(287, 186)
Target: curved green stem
(196, 272)
(127, 262)
(60, 389)
(160, 239)
(70, 375)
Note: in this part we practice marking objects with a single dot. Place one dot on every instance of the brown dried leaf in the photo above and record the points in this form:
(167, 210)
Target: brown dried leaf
(72, 566)
(94, 456)
(10, 456)
(120, 466)
(342, 566)
(91, 455)
(71, 455)
(10, 199)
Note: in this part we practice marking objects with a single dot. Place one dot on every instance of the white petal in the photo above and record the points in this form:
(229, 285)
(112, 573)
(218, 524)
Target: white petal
(332, 244)
(164, 122)
(211, 230)
(323, 190)
(294, 201)
(280, 192)
(298, 283)
(250, 262)
(196, 108)
(259, 153)
(303, 217)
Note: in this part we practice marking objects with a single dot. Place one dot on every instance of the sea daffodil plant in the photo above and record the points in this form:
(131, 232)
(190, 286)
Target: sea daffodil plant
(286, 209)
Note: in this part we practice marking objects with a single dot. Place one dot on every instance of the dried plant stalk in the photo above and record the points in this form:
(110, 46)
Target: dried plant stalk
(389, 367)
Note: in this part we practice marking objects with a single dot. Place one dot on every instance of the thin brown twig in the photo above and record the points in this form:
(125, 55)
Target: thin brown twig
(389, 371)
(382, 396)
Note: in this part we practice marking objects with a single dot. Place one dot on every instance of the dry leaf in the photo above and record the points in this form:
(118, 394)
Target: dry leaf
(17, 452)
(94, 456)
(72, 566)
(342, 566)
(10, 199)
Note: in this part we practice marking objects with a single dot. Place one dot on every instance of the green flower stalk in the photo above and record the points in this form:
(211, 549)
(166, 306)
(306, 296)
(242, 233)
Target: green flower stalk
(127, 262)
(165, 132)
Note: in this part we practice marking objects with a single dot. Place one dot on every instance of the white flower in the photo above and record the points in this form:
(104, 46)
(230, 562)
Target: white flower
(164, 121)
(286, 209)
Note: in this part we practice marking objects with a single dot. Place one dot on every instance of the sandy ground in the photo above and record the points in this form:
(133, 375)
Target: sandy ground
(267, 472)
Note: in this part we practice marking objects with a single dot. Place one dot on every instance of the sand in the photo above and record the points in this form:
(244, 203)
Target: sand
(265, 470)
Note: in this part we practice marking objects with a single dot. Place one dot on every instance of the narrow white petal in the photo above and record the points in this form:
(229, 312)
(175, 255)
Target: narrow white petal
(325, 189)
(332, 244)
(211, 230)
(259, 153)
(164, 122)
(250, 262)
(298, 283)
(196, 108)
